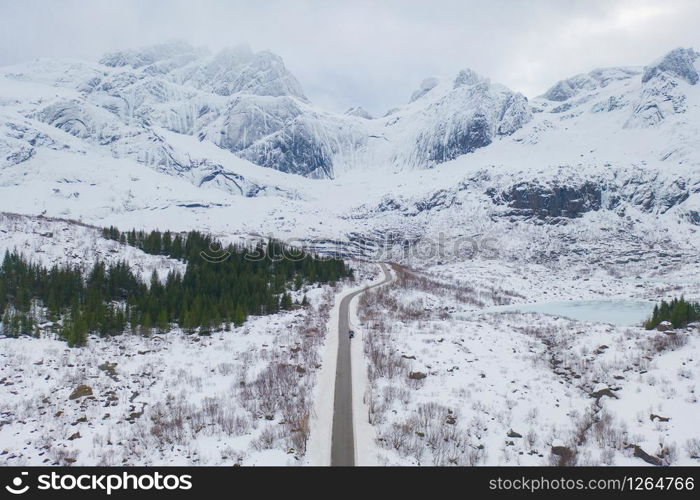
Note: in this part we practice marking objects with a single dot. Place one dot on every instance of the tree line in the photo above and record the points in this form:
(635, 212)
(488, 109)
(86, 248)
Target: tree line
(678, 311)
(157, 242)
(111, 299)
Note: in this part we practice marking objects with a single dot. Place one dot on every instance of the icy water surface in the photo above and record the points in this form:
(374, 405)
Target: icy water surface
(621, 312)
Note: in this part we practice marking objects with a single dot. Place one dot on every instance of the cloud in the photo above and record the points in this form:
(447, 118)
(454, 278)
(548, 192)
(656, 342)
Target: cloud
(369, 53)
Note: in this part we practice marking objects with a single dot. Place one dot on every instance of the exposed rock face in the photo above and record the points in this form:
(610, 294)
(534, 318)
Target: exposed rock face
(467, 116)
(565, 89)
(572, 197)
(84, 121)
(309, 145)
(467, 136)
(293, 150)
(248, 119)
(19, 142)
(604, 391)
(661, 94)
(148, 55)
(650, 192)
(543, 201)
(467, 77)
(658, 94)
(249, 104)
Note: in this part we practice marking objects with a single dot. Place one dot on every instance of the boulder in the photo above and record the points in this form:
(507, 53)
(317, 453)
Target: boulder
(650, 459)
(664, 326)
(599, 392)
(81, 391)
(562, 451)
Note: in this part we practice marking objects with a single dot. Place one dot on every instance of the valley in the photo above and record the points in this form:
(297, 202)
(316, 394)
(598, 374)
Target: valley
(483, 202)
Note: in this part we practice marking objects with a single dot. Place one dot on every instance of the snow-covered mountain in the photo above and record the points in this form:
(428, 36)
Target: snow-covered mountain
(248, 103)
(174, 136)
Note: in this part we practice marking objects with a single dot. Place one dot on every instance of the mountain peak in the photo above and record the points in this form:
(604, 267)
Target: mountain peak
(229, 71)
(467, 77)
(241, 70)
(360, 112)
(145, 56)
(679, 62)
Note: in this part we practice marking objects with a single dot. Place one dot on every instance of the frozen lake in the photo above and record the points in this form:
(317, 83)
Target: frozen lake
(621, 312)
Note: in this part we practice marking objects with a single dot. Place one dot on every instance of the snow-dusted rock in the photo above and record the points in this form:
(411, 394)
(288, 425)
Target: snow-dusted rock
(248, 103)
(664, 326)
(360, 112)
(678, 63)
(583, 148)
(663, 90)
(466, 117)
(596, 79)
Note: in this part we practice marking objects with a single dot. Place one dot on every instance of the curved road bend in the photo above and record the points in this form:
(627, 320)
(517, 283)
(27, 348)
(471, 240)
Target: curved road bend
(343, 440)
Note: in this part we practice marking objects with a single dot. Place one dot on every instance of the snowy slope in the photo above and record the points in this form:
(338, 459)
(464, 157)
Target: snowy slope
(604, 163)
(509, 389)
(249, 104)
(136, 382)
(56, 242)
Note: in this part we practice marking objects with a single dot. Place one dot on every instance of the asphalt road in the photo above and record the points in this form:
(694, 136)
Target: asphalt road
(343, 440)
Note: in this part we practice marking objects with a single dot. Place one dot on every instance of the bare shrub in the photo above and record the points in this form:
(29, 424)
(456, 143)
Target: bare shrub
(266, 439)
(609, 434)
(299, 432)
(607, 456)
(662, 342)
(692, 446)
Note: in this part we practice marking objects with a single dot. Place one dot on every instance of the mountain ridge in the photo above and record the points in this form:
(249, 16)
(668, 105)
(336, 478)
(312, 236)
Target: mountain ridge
(248, 103)
(597, 151)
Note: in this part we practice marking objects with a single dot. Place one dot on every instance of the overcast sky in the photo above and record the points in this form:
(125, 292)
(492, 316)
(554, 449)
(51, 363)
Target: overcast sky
(369, 53)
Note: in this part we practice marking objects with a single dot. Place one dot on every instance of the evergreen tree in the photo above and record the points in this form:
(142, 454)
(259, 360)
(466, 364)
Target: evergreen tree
(111, 299)
(162, 322)
(679, 312)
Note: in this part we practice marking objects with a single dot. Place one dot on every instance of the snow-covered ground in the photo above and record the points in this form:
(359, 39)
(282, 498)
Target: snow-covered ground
(589, 192)
(236, 397)
(526, 389)
(52, 242)
(244, 395)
